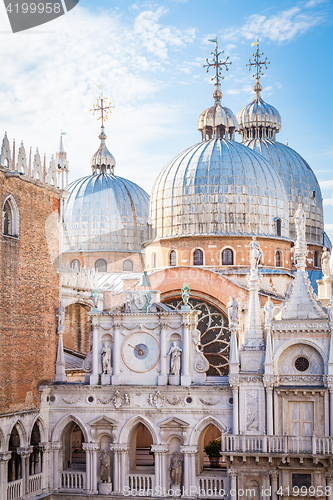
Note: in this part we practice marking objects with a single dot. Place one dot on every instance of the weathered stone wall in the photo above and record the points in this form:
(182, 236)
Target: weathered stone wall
(29, 293)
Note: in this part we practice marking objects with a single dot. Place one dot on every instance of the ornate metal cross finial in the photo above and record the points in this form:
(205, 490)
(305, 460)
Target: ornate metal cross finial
(257, 63)
(100, 107)
(217, 64)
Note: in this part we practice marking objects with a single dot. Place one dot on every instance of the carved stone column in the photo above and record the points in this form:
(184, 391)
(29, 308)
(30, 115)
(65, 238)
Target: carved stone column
(329, 484)
(269, 384)
(163, 376)
(234, 383)
(45, 448)
(87, 448)
(95, 361)
(56, 447)
(4, 459)
(233, 484)
(116, 355)
(274, 483)
(25, 454)
(189, 476)
(185, 376)
(160, 451)
(119, 466)
(94, 449)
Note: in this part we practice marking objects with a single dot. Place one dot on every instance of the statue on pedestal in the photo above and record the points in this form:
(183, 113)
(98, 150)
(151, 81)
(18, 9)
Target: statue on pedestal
(256, 254)
(186, 292)
(176, 466)
(175, 353)
(61, 316)
(105, 467)
(106, 359)
(299, 219)
(232, 307)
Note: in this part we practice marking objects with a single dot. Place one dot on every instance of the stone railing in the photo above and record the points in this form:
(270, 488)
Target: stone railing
(84, 278)
(276, 444)
(143, 482)
(211, 485)
(15, 489)
(72, 480)
(35, 483)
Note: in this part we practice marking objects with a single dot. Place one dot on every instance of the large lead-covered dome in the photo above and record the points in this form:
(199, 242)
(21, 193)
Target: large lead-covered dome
(218, 187)
(104, 211)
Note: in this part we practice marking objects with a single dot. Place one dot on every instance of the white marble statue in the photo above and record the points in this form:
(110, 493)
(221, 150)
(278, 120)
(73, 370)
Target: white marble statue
(105, 467)
(175, 358)
(176, 466)
(61, 316)
(256, 254)
(299, 218)
(330, 311)
(269, 306)
(106, 359)
(232, 307)
(325, 262)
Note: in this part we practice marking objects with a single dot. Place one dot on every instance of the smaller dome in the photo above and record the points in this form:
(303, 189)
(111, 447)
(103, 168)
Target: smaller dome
(258, 119)
(102, 161)
(217, 122)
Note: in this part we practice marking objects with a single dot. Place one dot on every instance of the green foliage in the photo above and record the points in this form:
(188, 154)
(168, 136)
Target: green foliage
(213, 448)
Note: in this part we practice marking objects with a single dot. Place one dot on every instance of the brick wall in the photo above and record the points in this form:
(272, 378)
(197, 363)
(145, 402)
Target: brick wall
(29, 293)
(77, 328)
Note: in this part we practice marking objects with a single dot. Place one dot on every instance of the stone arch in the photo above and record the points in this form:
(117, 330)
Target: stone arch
(298, 342)
(127, 428)
(2, 441)
(205, 422)
(42, 429)
(207, 430)
(60, 426)
(21, 431)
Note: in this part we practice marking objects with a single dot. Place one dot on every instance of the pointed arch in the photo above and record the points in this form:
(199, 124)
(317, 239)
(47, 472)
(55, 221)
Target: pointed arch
(21, 432)
(60, 426)
(125, 432)
(2, 441)
(42, 429)
(10, 218)
(205, 422)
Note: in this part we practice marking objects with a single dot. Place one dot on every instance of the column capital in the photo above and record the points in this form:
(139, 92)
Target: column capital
(234, 382)
(56, 446)
(268, 381)
(118, 447)
(5, 456)
(274, 473)
(159, 448)
(189, 450)
(233, 473)
(329, 475)
(91, 446)
(45, 447)
(25, 452)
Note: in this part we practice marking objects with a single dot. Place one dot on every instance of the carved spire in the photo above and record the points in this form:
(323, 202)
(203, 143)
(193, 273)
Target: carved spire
(254, 331)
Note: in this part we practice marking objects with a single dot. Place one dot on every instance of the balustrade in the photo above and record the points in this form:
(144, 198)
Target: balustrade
(72, 480)
(35, 483)
(143, 482)
(210, 485)
(14, 489)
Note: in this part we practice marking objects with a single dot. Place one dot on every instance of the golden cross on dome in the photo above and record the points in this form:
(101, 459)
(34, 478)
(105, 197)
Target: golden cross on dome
(104, 110)
(256, 62)
(217, 64)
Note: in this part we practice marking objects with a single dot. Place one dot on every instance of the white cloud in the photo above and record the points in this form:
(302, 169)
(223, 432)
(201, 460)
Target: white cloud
(281, 27)
(49, 82)
(326, 184)
(327, 201)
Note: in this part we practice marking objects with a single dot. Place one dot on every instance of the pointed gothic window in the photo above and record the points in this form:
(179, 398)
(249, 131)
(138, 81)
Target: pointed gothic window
(198, 257)
(10, 218)
(278, 227)
(278, 258)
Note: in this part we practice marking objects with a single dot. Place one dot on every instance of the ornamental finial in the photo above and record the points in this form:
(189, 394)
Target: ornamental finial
(218, 65)
(258, 64)
(99, 107)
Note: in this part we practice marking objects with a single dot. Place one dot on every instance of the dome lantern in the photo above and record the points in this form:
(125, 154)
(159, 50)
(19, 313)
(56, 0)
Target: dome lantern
(217, 122)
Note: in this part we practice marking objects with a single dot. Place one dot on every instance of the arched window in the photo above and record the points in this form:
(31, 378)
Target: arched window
(278, 259)
(316, 259)
(198, 257)
(278, 227)
(127, 265)
(14, 464)
(153, 260)
(227, 257)
(172, 258)
(75, 264)
(10, 218)
(100, 266)
(140, 443)
(36, 457)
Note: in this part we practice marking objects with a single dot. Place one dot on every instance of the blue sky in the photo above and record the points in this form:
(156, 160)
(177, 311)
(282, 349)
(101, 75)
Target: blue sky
(149, 57)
